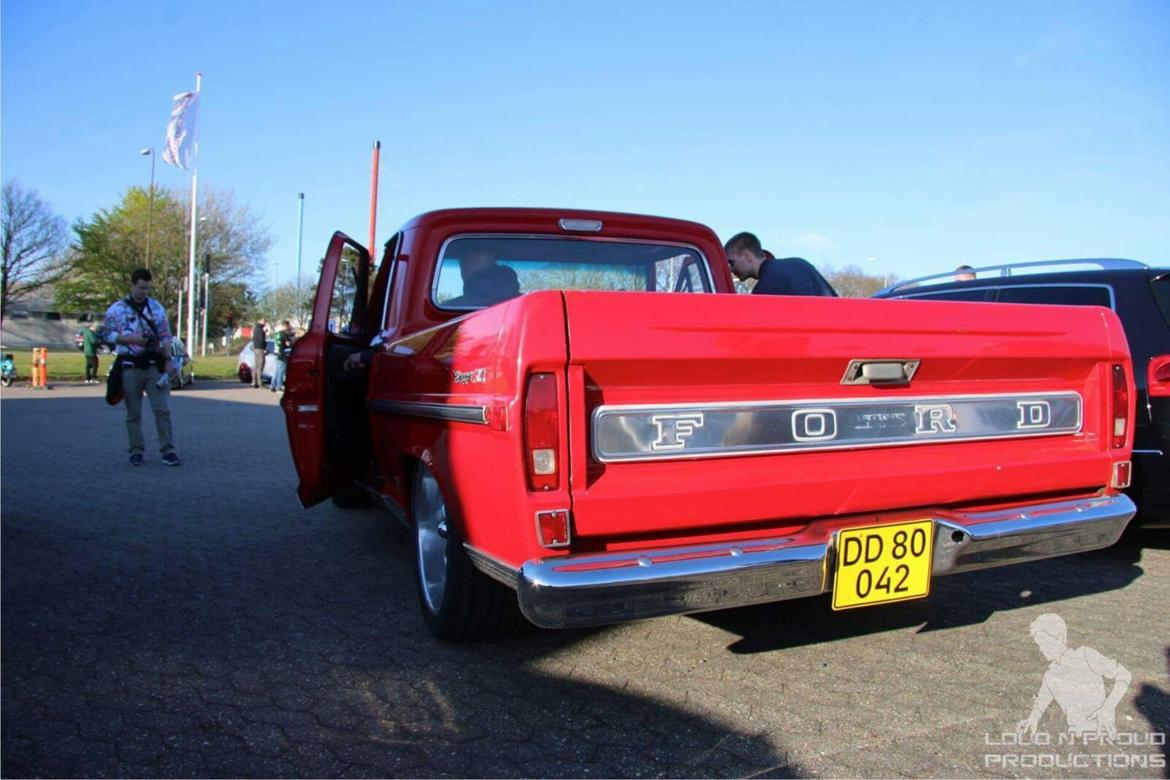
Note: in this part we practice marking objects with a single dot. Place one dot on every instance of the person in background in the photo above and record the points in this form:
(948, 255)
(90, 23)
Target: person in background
(284, 344)
(786, 276)
(488, 286)
(138, 329)
(964, 273)
(259, 347)
(89, 348)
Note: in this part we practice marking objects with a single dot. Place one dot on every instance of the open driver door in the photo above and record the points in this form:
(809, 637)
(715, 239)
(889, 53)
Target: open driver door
(324, 405)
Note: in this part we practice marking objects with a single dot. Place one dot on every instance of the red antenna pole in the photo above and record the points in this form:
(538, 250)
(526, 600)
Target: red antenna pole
(374, 200)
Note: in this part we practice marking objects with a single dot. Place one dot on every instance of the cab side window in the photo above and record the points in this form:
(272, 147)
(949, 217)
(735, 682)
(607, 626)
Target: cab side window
(982, 294)
(1061, 294)
(346, 308)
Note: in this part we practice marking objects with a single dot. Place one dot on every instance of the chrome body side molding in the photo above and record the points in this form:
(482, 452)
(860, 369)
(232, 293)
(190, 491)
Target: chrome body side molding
(467, 413)
(594, 589)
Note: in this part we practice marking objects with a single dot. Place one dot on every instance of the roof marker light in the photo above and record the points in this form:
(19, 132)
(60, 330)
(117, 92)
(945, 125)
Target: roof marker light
(581, 225)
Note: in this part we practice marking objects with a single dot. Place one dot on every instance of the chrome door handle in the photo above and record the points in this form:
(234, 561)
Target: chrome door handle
(879, 372)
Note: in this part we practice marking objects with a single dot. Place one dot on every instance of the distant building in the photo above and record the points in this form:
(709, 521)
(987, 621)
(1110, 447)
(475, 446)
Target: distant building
(36, 322)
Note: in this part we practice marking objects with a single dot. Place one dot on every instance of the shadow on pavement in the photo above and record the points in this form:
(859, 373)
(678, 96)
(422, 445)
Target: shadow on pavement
(1154, 704)
(197, 622)
(957, 600)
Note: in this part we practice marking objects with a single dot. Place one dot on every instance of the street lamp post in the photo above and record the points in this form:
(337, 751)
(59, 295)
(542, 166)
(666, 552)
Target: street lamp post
(149, 152)
(300, 233)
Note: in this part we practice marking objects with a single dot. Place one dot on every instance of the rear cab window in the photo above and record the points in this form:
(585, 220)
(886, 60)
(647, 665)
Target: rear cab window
(483, 270)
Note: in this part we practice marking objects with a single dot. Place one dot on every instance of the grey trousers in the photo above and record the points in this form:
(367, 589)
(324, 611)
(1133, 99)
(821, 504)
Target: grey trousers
(258, 367)
(134, 381)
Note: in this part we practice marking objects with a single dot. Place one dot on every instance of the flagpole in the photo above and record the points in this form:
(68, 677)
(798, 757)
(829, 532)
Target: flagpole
(194, 228)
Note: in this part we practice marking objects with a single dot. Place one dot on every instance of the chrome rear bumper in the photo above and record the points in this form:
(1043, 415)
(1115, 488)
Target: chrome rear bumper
(587, 590)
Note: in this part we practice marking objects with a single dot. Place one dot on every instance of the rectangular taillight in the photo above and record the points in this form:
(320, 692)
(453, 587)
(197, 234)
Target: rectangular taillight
(542, 432)
(1159, 375)
(1120, 407)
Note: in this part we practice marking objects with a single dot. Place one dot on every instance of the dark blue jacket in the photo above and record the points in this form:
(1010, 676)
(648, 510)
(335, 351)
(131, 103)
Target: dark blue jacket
(791, 276)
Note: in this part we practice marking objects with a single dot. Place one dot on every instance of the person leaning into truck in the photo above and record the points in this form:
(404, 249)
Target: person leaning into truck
(787, 276)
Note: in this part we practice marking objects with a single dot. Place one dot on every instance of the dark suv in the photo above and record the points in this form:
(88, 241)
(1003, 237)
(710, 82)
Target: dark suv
(1141, 297)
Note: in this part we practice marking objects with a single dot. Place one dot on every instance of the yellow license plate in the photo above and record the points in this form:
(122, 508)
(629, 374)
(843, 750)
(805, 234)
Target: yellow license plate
(883, 563)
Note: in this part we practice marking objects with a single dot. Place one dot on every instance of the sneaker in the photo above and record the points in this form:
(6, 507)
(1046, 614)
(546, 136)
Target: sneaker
(136, 459)
(171, 459)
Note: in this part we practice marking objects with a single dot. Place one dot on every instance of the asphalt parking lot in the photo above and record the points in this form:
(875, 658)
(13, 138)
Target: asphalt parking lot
(198, 622)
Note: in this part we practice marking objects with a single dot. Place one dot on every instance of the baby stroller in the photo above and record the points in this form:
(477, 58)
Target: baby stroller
(182, 366)
(7, 370)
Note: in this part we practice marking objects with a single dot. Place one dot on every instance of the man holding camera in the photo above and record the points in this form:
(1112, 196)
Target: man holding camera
(137, 326)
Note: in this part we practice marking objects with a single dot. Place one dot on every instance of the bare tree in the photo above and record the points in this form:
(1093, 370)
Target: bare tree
(286, 302)
(32, 242)
(851, 282)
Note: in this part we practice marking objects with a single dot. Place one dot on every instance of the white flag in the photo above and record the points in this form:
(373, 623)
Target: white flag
(181, 130)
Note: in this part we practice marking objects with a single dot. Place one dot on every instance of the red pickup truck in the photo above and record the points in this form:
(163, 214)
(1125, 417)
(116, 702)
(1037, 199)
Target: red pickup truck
(576, 418)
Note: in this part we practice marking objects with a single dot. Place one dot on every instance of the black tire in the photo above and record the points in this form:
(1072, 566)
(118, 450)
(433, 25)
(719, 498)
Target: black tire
(470, 605)
(6, 381)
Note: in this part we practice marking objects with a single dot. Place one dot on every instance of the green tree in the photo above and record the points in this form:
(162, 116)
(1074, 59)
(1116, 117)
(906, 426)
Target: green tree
(112, 243)
(32, 240)
(230, 302)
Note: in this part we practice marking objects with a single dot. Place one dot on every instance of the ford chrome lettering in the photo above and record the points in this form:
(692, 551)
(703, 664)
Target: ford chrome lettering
(939, 418)
(1034, 415)
(674, 430)
(646, 432)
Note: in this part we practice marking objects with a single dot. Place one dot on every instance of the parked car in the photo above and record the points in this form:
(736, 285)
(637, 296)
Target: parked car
(577, 417)
(1141, 297)
(244, 370)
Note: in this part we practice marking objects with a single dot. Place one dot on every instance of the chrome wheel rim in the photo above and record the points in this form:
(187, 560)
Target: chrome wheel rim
(430, 517)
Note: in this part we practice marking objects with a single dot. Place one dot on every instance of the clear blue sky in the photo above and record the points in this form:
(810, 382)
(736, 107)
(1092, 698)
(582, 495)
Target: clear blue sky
(903, 137)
